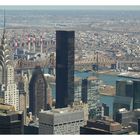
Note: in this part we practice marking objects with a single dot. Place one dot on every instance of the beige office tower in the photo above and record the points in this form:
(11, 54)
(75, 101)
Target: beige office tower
(11, 93)
(79, 105)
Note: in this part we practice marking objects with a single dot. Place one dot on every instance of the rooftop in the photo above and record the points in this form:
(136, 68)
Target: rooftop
(7, 107)
(60, 111)
(9, 113)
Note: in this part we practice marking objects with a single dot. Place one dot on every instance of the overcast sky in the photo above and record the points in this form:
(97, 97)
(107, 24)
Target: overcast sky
(70, 7)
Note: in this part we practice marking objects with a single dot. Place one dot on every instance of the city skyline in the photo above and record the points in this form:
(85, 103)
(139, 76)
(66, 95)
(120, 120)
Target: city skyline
(48, 62)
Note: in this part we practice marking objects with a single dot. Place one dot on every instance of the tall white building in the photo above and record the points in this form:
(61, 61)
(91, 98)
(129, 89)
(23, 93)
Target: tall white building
(7, 82)
(11, 94)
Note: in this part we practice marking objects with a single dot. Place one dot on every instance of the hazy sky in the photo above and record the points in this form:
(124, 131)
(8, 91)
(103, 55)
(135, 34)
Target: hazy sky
(70, 7)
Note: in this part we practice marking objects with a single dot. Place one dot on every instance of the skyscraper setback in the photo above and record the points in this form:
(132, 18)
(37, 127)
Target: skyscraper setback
(64, 68)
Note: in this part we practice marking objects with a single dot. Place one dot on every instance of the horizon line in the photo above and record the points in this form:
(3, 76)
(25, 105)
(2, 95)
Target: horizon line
(71, 7)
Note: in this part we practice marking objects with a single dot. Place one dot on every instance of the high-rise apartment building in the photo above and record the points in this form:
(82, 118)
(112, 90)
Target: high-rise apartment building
(37, 92)
(64, 68)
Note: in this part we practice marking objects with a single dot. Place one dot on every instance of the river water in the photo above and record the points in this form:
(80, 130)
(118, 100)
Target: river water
(107, 79)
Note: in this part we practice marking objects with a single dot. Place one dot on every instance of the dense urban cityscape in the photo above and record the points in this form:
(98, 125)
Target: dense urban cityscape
(70, 72)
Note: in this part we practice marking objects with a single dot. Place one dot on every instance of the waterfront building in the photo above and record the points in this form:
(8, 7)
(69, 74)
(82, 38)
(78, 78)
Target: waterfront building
(136, 94)
(61, 121)
(11, 122)
(129, 88)
(37, 92)
(105, 110)
(90, 95)
(122, 102)
(124, 88)
(128, 119)
(124, 116)
(64, 68)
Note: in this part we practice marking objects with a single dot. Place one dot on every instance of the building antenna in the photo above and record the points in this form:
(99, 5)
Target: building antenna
(4, 20)
(3, 36)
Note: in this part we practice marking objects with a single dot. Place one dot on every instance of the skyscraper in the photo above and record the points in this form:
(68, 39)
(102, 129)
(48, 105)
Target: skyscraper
(84, 93)
(77, 88)
(136, 94)
(26, 88)
(64, 68)
(37, 92)
(11, 94)
(22, 98)
(7, 82)
(90, 95)
(124, 88)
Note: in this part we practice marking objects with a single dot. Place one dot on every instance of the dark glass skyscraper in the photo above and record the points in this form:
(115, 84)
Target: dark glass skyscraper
(64, 68)
(11, 122)
(84, 96)
(124, 88)
(37, 90)
(136, 94)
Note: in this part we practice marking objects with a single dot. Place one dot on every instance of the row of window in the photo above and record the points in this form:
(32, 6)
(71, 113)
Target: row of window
(74, 122)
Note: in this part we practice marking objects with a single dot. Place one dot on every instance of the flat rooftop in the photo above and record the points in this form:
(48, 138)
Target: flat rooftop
(9, 113)
(60, 111)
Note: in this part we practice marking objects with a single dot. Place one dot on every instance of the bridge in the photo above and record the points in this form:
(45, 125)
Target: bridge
(87, 63)
(28, 64)
(125, 64)
(79, 65)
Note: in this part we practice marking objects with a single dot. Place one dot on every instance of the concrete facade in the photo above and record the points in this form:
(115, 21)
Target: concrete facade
(61, 121)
